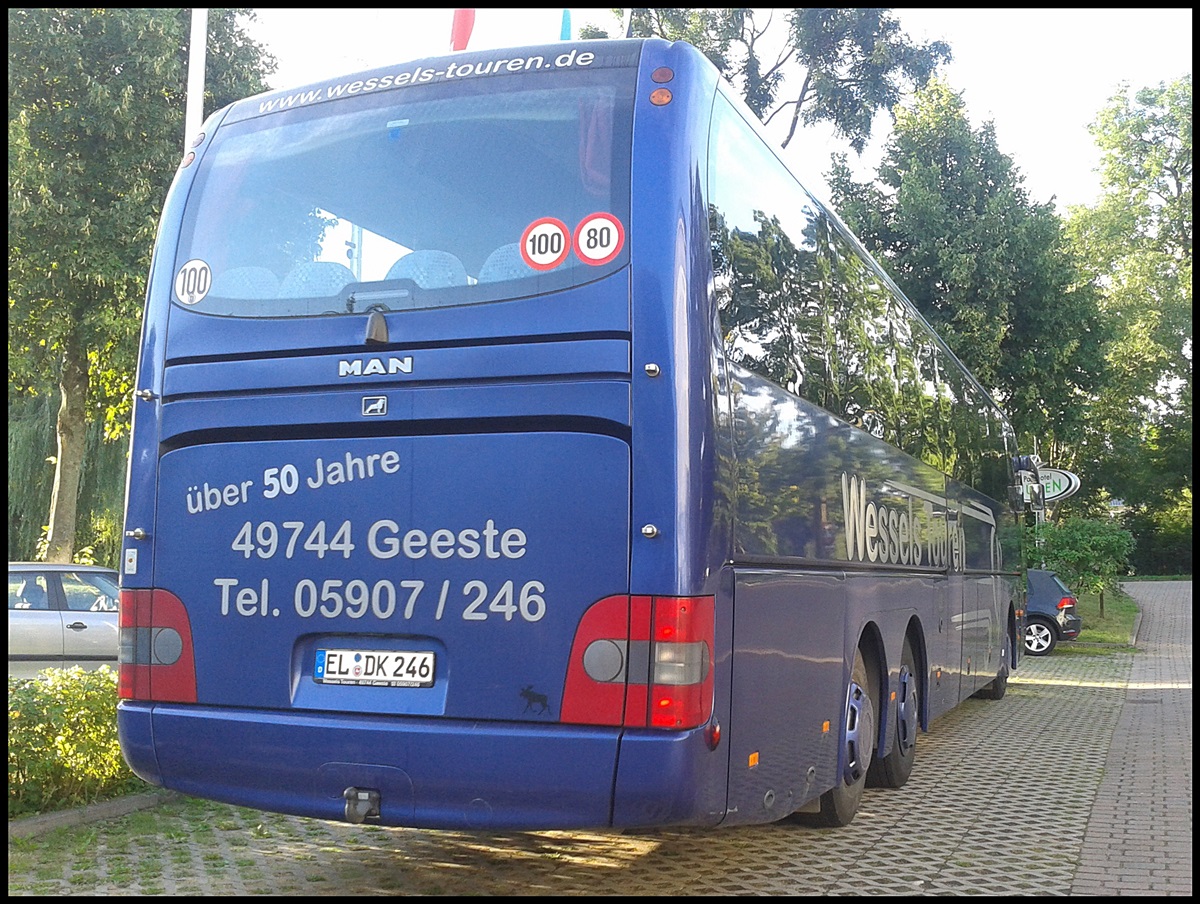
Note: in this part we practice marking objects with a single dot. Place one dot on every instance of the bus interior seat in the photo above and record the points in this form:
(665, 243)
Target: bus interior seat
(246, 282)
(430, 269)
(316, 279)
(505, 263)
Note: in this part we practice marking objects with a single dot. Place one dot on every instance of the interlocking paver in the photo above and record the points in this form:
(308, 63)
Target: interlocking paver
(1077, 783)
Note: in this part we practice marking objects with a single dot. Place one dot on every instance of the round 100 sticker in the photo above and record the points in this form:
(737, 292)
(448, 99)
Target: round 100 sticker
(545, 243)
(193, 281)
(599, 238)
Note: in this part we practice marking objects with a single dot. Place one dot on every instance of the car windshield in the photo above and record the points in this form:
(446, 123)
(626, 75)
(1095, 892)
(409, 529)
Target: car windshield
(425, 197)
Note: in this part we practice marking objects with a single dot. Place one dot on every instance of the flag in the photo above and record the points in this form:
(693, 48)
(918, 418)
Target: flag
(460, 28)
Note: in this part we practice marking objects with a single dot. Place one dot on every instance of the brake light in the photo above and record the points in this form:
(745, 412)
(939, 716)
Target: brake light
(681, 662)
(642, 661)
(156, 661)
(1067, 602)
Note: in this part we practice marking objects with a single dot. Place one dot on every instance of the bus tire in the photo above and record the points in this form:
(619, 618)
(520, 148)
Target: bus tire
(840, 803)
(893, 769)
(999, 685)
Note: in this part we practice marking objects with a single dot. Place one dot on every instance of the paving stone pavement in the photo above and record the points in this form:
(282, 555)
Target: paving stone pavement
(1077, 783)
(1139, 834)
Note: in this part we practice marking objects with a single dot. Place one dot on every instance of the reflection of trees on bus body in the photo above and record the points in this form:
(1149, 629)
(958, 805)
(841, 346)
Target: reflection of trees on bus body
(803, 306)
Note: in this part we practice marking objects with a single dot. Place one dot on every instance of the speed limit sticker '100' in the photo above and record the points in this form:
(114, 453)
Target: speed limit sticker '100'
(545, 243)
(192, 282)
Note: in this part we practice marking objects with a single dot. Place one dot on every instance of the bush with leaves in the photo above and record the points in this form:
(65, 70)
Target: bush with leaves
(1087, 553)
(62, 741)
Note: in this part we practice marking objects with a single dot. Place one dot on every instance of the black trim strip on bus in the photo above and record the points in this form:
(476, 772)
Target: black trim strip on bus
(789, 563)
(399, 385)
(357, 349)
(362, 430)
(792, 563)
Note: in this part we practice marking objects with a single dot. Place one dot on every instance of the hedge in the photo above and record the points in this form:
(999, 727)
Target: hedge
(62, 741)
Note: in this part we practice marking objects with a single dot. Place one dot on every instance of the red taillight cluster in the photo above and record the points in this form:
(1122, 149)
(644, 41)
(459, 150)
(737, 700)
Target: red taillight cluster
(156, 660)
(1067, 602)
(642, 661)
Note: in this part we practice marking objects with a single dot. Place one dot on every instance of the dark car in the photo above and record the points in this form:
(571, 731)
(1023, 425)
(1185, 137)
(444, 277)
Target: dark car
(1050, 613)
(60, 616)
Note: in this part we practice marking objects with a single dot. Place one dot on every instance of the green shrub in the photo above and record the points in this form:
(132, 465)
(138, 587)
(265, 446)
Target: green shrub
(62, 741)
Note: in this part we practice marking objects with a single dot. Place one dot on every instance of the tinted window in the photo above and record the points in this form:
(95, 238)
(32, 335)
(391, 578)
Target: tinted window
(412, 199)
(802, 304)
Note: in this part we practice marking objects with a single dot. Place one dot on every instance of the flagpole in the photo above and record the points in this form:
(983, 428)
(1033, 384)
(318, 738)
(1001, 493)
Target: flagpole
(193, 116)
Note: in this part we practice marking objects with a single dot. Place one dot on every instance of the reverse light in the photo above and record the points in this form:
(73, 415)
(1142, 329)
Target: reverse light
(642, 662)
(681, 671)
(156, 661)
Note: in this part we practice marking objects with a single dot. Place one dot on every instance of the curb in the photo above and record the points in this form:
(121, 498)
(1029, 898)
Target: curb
(31, 826)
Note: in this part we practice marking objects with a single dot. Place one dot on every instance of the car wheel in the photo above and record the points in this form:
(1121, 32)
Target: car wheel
(1040, 637)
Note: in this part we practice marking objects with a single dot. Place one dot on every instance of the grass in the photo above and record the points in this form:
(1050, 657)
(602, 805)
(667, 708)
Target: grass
(1116, 626)
(1158, 577)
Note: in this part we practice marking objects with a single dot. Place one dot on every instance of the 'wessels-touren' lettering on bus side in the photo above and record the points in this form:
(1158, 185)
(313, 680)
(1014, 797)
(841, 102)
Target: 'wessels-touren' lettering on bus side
(895, 535)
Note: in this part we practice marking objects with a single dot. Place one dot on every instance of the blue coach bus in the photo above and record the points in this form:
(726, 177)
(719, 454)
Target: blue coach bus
(517, 444)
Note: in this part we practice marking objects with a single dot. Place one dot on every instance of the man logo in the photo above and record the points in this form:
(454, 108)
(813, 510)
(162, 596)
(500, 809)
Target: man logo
(373, 406)
(366, 367)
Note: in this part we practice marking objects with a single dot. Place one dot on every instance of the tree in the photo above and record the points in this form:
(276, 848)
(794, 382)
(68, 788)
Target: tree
(1086, 553)
(856, 62)
(1137, 244)
(988, 268)
(96, 108)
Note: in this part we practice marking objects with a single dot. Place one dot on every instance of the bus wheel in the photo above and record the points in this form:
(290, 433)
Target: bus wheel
(999, 685)
(839, 804)
(893, 770)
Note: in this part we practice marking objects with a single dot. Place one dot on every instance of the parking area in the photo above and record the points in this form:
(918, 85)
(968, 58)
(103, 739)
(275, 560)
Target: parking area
(1078, 782)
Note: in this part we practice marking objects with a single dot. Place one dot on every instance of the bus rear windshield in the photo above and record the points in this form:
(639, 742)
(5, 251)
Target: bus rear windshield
(447, 194)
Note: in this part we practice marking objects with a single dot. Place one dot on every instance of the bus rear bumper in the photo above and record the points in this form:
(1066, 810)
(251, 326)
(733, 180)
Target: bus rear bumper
(429, 773)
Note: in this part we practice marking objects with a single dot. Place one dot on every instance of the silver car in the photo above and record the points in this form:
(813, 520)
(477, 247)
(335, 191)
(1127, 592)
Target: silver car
(60, 616)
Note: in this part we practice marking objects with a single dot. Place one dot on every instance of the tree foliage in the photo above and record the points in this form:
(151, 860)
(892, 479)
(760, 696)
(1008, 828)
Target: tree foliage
(986, 266)
(1137, 244)
(1087, 553)
(852, 62)
(96, 109)
(1164, 536)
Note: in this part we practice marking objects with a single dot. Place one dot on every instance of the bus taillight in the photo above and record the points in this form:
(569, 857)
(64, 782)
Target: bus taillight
(642, 662)
(681, 676)
(156, 661)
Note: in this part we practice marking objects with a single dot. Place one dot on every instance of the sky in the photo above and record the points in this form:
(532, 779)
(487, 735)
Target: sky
(1040, 75)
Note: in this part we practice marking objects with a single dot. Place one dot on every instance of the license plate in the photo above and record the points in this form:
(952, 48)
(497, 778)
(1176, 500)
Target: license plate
(375, 668)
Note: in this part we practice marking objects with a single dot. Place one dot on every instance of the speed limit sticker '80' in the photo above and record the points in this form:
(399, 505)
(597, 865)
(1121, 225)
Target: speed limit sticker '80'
(599, 238)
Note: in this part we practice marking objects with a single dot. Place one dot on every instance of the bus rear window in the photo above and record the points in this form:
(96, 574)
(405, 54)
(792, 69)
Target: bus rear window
(439, 195)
